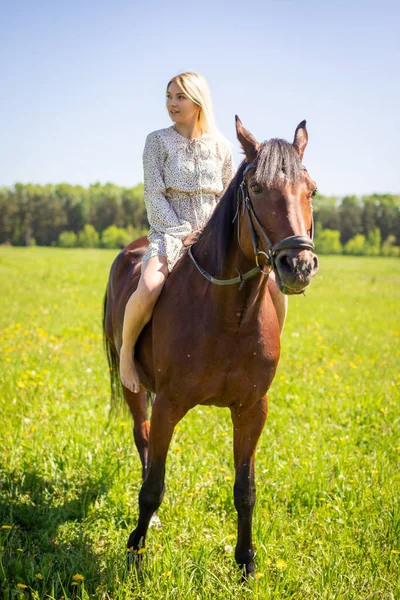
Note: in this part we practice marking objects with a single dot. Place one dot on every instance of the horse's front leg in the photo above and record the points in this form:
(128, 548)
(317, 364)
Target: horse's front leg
(247, 428)
(164, 417)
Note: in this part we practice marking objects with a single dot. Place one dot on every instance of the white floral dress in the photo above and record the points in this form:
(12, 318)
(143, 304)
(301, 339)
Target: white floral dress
(183, 181)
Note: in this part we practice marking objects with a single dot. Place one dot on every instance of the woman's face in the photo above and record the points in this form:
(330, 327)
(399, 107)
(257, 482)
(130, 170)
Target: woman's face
(180, 108)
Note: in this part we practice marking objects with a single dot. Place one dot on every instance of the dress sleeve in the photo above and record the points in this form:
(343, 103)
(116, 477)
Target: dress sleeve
(228, 168)
(161, 215)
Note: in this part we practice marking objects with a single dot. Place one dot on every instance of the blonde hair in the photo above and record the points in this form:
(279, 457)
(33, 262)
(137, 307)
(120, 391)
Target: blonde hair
(196, 88)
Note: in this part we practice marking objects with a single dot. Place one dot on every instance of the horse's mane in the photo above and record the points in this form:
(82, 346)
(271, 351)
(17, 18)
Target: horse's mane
(214, 244)
(216, 238)
(275, 157)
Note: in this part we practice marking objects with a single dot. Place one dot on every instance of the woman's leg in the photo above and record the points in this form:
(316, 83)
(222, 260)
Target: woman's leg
(279, 300)
(138, 311)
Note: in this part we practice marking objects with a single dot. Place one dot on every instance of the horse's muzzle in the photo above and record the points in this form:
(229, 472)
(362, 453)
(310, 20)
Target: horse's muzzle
(295, 269)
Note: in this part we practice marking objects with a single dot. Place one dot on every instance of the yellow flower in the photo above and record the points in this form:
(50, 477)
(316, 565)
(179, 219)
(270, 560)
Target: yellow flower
(281, 564)
(258, 575)
(22, 586)
(6, 526)
(20, 550)
(74, 583)
(141, 550)
(39, 576)
(78, 577)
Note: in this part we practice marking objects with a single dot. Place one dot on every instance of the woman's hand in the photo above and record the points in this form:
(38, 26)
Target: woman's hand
(192, 238)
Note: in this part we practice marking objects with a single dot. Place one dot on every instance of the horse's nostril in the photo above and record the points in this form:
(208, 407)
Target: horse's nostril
(315, 263)
(284, 263)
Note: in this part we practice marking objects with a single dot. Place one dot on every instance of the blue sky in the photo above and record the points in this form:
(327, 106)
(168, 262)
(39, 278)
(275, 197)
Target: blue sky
(83, 83)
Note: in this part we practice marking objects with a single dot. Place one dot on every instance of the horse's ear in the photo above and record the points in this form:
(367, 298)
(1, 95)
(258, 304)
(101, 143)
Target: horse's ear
(300, 139)
(247, 141)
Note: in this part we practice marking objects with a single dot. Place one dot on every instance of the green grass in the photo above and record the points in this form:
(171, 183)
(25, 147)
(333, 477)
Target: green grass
(327, 518)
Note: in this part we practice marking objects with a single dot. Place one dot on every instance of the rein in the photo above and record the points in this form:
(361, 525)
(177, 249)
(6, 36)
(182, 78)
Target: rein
(298, 242)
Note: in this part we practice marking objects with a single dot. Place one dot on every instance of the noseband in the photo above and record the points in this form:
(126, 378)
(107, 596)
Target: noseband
(296, 242)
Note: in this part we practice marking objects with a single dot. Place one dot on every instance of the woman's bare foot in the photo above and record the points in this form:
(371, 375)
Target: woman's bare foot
(128, 373)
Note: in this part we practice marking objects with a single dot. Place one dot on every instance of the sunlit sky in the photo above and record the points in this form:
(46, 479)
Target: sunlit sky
(83, 83)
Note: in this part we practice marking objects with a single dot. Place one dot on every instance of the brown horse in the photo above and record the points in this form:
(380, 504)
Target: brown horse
(214, 336)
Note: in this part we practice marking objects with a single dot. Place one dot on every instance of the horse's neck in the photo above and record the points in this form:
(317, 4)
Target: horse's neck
(252, 293)
(228, 297)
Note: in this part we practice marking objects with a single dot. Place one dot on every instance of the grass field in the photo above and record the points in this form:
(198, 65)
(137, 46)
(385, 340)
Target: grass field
(327, 518)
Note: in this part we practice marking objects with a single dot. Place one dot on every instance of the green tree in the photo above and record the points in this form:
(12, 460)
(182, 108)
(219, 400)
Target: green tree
(389, 248)
(24, 195)
(326, 211)
(350, 218)
(135, 233)
(356, 245)
(76, 204)
(8, 215)
(373, 242)
(328, 242)
(369, 215)
(67, 239)
(134, 211)
(106, 206)
(115, 237)
(49, 218)
(388, 215)
(88, 237)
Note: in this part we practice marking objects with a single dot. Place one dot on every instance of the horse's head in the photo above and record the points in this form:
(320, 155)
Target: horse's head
(277, 192)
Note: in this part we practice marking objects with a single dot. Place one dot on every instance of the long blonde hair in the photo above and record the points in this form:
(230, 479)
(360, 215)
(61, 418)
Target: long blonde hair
(196, 88)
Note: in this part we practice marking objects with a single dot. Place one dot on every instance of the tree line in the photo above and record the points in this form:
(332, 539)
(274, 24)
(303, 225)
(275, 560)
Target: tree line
(358, 225)
(63, 214)
(110, 216)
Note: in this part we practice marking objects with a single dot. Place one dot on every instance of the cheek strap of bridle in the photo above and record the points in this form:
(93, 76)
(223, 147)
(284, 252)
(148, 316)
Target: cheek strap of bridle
(296, 242)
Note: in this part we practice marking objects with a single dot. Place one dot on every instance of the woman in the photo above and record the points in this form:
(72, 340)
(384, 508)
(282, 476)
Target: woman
(187, 168)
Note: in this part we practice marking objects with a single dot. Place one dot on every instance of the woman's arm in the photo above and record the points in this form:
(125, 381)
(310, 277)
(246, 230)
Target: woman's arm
(160, 213)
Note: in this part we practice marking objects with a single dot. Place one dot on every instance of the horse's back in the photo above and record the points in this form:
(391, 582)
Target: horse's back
(128, 261)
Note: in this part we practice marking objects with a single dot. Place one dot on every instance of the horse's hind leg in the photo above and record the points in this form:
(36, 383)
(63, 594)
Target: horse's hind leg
(141, 426)
(163, 420)
(247, 428)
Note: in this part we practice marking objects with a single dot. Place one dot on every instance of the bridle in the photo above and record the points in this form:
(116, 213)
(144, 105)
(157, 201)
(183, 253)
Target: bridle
(297, 242)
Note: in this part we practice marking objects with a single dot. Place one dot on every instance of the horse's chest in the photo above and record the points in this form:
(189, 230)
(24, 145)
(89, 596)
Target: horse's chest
(251, 365)
(219, 360)
(215, 352)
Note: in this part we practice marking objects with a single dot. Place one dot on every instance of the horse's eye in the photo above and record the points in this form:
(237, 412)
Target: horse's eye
(314, 193)
(255, 188)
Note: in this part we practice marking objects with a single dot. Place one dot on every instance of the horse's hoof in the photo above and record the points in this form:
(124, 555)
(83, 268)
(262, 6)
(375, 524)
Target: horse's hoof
(135, 559)
(135, 550)
(247, 572)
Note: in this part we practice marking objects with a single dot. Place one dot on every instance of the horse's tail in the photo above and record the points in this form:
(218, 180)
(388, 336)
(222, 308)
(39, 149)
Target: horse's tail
(113, 362)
